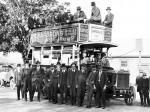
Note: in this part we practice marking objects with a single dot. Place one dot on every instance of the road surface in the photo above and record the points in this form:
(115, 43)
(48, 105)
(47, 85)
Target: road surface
(8, 103)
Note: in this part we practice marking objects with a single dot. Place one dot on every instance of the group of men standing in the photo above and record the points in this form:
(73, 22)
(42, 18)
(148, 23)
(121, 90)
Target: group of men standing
(70, 83)
(60, 17)
(143, 84)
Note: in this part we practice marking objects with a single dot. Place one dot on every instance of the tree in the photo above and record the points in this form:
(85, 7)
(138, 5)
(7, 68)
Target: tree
(14, 33)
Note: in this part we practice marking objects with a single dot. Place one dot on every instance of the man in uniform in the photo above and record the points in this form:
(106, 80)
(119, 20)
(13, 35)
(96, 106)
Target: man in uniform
(55, 83)
(27, 81)
(101, 80)
(37, 78)
(63, 84)
(49, 82)
(46, 81)
(79, 16)
(90, 82)
(145, 89)
(18, 81)
(72, 73)
(139, 79)
(108, 21)
(81, 84)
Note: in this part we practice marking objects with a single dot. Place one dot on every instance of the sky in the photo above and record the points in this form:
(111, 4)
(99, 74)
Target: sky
(131, 22)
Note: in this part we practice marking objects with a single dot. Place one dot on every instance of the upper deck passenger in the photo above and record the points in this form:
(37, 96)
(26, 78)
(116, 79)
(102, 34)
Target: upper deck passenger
(31, 22)
(62, 16)
(69, 16)
(79, 16)
(108, 18)
(41, 21)
(95, 14)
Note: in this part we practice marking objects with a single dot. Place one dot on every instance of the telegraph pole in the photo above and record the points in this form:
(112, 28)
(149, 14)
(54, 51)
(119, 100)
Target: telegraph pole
(139, 48)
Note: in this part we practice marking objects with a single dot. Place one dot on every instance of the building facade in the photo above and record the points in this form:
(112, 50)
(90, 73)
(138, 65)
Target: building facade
(131, 63)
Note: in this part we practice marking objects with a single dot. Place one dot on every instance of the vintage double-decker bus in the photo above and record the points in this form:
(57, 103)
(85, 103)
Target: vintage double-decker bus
(67, 44)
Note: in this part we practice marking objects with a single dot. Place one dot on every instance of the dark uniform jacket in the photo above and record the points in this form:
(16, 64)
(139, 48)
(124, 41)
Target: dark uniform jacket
(63, 77)
(81, 77)
(55, 76)
(26, 73)
(48, 77)
(145, 84)
(31, 23)
(101, 79)
(139, 83)
(69, 17)
(91, 78)
(40, 23)
(37, 74)
(61, 18)
(18, 77)
(71, 80)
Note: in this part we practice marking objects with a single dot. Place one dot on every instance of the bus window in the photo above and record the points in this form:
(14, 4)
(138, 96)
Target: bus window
(37, 48)
(56, 47)
(56, 55)
(45, 56)
(46, 48)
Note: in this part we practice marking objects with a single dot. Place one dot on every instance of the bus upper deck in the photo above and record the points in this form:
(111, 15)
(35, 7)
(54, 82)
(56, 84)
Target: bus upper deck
(62, 43)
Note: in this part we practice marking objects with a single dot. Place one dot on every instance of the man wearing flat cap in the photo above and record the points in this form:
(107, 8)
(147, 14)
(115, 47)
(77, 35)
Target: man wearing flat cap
(95, 14)
(79, 16)
(108, 21)
(81, 84)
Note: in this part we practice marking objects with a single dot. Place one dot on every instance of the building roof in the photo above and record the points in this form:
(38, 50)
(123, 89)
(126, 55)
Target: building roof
(127, 48)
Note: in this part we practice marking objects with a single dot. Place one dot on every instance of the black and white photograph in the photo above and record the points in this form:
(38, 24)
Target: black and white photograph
(74, 56)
